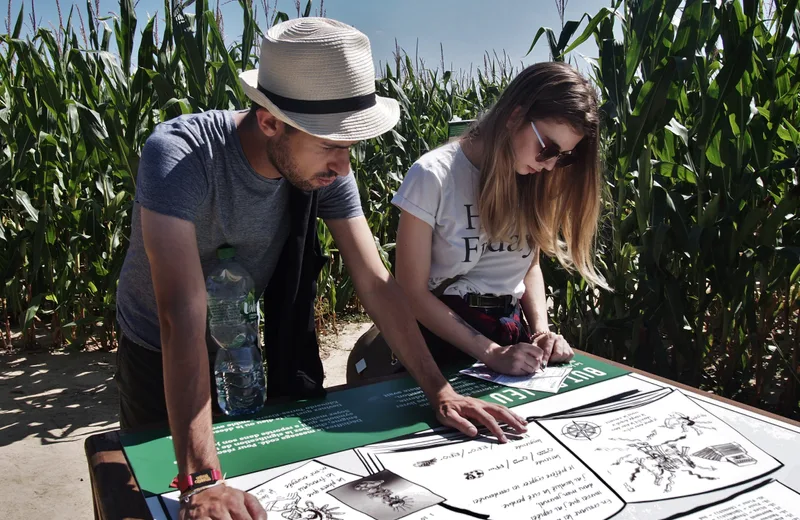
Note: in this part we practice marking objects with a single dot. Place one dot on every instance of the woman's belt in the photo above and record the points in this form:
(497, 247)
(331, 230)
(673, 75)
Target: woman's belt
(484, 301)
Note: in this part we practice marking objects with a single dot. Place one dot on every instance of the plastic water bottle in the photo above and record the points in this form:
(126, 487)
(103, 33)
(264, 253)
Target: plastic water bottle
(233, 323)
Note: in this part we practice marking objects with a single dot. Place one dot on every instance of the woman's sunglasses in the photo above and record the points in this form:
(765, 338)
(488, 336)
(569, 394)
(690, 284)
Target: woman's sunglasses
(549, 151)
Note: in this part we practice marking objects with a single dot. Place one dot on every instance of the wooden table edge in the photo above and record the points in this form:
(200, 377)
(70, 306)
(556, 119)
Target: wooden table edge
(697, 391)
(106, 447)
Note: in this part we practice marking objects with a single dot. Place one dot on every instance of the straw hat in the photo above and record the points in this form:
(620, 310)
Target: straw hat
(317, 75)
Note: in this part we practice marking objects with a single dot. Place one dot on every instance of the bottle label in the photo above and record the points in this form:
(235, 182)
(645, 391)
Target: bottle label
(250, 308)
(224, 311)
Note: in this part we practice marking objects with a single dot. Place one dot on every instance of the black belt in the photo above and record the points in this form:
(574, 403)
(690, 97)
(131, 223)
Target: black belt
(483, 301)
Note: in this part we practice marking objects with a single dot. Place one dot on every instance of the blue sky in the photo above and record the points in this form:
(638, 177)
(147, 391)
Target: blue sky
(465, 28)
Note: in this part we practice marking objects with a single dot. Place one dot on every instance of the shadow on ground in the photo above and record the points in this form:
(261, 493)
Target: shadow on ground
(56, 397)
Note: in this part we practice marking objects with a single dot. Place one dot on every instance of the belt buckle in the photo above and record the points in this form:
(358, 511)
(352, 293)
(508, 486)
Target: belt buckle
(484, 302)
(476, 300)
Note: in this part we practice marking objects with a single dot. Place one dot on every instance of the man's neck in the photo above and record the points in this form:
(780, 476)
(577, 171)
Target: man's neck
(254, 145)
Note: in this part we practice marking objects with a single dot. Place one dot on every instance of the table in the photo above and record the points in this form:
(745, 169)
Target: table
(117, 494)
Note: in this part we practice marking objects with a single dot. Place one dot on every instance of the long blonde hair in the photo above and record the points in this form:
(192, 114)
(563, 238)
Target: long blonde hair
(557, 210)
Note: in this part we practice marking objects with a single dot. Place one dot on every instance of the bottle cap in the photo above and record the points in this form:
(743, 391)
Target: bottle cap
(226, 252)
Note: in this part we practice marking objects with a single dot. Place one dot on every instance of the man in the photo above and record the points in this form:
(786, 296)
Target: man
(258, 180)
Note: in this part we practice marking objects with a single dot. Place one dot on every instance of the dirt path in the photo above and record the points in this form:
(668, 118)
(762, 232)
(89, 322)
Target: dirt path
(50, 402)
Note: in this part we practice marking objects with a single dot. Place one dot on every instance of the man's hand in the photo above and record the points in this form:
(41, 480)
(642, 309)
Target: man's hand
(555, 348)
(222, 503)
(455, 410)
(386, 303)
(521, 359)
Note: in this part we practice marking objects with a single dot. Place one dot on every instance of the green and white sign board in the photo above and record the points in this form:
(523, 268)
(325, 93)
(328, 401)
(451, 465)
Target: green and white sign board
(343, 420)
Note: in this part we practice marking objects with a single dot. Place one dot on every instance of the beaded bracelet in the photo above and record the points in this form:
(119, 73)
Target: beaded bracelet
(538, 334)
(186, 496)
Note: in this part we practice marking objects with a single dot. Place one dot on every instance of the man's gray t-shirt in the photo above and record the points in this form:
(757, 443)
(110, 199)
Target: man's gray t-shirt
(193, 167)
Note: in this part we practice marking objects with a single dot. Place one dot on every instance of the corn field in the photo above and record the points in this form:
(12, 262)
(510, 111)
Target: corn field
(700, 237)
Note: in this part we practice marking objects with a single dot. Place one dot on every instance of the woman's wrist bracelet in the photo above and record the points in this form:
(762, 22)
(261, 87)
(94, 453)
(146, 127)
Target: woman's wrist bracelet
(539, 333)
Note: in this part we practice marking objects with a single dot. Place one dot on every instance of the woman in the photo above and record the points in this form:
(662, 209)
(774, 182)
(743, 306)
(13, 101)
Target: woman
(477, 212)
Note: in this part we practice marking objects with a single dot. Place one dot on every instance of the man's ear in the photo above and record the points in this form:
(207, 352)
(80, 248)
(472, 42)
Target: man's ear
(268, 123)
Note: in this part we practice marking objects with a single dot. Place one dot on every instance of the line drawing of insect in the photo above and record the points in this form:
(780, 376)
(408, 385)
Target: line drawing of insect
(425, 463)
(374, 489)
(398, 503)
(367, 485)
(290, 509)
(685, 423)
(664, 462)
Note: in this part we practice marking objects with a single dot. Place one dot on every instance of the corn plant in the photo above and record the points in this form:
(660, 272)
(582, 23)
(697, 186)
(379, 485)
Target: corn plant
(699, 238)
(73, 119)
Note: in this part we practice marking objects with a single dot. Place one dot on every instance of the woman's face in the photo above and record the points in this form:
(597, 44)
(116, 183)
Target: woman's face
(527, 147)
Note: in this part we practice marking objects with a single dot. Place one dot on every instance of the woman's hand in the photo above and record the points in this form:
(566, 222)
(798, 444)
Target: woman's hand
(516, 360)
(555, 348)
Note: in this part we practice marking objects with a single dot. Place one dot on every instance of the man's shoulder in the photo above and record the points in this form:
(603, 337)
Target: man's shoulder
(192, 130)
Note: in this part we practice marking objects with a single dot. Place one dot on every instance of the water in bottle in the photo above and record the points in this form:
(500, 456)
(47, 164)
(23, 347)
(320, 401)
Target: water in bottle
(233, 323)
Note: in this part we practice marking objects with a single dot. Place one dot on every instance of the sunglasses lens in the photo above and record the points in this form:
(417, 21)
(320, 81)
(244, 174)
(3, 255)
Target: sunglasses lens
(547, 153)
(566, 160)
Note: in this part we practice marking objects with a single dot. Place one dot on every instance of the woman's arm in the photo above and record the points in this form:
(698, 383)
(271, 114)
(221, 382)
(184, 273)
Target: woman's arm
(534, 305)
(414, 238)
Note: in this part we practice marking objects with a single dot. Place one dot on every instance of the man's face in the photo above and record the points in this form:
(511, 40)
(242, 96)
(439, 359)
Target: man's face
(308, 162)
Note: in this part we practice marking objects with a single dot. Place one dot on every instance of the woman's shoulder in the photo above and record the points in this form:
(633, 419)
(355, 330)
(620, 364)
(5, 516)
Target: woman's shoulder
(441, 162)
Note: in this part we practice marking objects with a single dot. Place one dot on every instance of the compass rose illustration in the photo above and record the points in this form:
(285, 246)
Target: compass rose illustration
(580, 431)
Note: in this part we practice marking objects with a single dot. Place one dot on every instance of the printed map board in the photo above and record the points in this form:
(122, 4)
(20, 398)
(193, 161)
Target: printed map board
(608, 444)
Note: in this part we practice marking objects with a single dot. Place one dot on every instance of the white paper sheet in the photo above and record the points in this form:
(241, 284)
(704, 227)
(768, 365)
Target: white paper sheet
(321, 492)
(659, 449)
(772, 501)
(531, 477)
(548, 380)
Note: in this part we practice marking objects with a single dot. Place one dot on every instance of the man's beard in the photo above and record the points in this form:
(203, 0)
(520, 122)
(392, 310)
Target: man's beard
(278, 154)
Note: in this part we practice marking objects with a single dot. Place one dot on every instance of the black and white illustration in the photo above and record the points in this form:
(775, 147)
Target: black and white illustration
(731, 452)
(580, 430)
(662, 463)
(425, 463)
(622, 449)
(385, 496)
(316, 491)
(660, 446)
(533, 475)
(291, 508)
(300, 494)
(684, 423)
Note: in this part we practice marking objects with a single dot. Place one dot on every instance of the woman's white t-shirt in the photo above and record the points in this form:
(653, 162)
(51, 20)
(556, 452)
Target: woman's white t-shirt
(441, 189)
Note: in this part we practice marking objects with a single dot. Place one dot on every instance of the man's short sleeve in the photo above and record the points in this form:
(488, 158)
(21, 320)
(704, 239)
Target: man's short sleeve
(172, 177)
(420, 194)
(340, 199)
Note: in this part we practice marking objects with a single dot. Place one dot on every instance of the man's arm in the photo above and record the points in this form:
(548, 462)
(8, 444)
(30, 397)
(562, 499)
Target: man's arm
(171, 247)
(386, 304)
